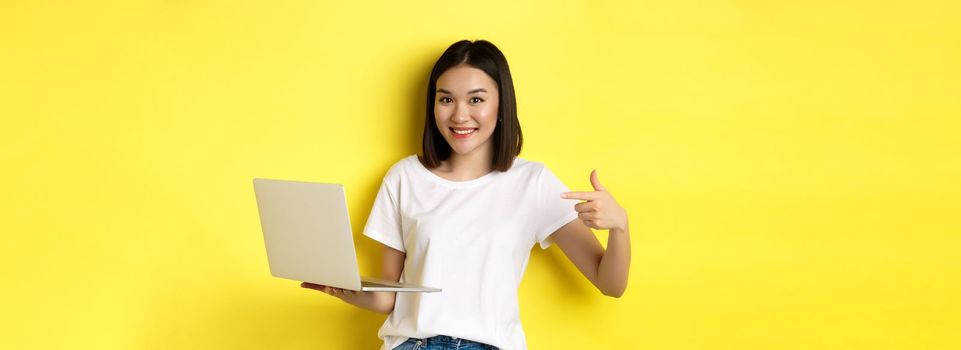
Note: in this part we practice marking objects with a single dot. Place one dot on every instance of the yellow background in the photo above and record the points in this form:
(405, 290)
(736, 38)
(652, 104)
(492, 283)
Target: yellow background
(791, 169)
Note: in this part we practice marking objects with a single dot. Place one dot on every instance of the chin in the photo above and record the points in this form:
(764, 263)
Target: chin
(462, 151)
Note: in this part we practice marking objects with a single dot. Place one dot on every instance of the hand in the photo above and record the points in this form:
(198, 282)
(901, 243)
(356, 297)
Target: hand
(343, 294)
(599, 209)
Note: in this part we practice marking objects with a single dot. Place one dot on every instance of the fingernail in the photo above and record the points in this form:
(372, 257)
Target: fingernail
(563, 195)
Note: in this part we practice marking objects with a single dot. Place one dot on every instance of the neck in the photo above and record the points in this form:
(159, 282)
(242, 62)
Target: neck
(470, 166)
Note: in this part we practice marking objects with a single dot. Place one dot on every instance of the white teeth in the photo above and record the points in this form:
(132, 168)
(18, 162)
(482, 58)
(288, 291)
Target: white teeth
(463, 132)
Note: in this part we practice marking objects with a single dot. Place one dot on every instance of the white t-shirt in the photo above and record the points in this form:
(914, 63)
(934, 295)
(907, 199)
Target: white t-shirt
(470, 238)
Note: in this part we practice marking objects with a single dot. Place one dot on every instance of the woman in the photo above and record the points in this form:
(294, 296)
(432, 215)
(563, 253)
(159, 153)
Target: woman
(464, 215)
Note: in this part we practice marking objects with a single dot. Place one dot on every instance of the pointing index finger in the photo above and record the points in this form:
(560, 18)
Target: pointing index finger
(587, 196)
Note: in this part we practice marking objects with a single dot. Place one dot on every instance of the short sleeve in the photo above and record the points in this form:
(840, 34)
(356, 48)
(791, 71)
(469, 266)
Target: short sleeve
(553, 211)
(383, 223)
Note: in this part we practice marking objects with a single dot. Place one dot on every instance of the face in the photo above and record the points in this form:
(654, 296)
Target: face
(465, 108)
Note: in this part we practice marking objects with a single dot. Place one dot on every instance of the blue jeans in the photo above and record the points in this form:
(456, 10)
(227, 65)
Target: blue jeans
(442, 342)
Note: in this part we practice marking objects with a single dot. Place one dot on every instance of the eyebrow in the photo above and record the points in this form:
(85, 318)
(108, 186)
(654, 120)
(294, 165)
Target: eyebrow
(469, 92)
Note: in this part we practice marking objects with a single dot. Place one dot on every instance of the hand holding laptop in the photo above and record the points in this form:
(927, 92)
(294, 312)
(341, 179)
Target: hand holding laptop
(344, 294)
(382, 302)
(308, 237)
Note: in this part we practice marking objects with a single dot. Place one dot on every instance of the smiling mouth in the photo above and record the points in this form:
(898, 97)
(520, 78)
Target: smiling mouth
(463, 133)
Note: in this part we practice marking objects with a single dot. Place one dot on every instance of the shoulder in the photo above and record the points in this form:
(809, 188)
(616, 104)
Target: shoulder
(531, 170)
(539, 175)
(525, 165)
(401, 168)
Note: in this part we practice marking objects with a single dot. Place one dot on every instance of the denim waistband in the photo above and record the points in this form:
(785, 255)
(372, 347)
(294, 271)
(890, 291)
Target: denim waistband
(443, 339)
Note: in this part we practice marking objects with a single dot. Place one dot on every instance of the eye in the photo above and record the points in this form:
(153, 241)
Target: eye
(445, 100)
(476, 100)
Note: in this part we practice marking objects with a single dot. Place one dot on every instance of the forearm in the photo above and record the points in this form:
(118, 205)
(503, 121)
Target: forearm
(380, 302)
(612, 272)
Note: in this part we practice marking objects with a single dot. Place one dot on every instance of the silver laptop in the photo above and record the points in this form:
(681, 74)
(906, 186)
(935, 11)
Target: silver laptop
(308, 236)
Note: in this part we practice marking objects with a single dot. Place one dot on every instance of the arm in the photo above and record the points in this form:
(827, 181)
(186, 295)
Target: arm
(607, 270)
(381, 302)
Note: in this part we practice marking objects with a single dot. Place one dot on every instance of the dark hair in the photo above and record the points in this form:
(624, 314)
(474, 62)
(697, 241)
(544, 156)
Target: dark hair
(507, 137)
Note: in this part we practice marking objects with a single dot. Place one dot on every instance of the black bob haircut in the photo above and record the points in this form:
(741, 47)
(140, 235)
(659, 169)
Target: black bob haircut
(507, 138)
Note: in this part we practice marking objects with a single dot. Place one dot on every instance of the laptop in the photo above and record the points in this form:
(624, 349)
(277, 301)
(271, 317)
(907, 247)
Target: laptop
(308, 236)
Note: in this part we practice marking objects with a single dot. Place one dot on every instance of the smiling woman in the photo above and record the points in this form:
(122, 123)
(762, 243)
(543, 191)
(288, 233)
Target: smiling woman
(465, 214)
(465, 113)
(471, 81)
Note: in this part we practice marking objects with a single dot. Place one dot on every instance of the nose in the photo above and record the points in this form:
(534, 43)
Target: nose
(461, 114)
